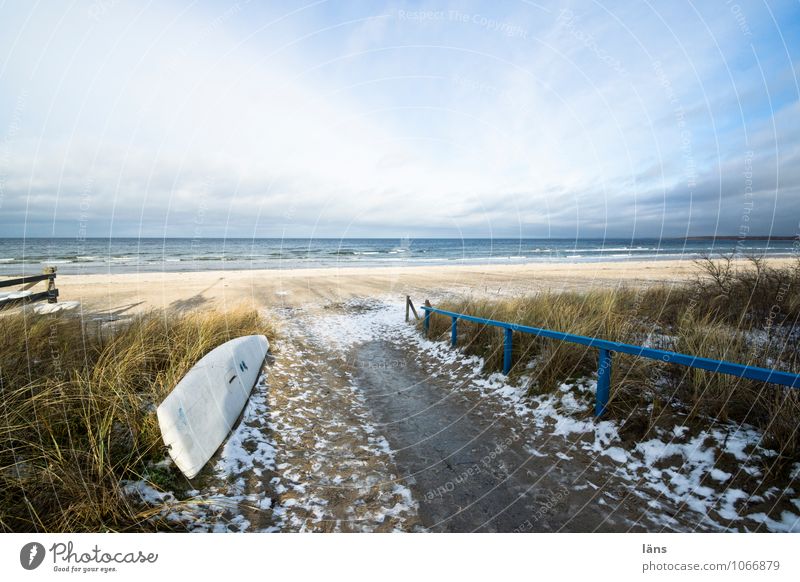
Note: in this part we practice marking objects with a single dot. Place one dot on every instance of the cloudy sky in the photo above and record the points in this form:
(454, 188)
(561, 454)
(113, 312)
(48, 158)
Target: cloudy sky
(399, 119)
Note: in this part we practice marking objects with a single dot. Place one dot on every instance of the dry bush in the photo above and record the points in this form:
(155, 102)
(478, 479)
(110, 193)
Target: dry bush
(79, 410)
(740, 311)
(599, 313)
(748, 294)
(710, 393)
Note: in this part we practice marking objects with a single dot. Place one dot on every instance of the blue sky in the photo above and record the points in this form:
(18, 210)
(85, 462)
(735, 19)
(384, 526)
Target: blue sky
(397, 119)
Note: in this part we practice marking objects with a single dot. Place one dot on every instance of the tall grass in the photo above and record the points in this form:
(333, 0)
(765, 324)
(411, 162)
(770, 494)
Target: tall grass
(745, 312)
(78, 411)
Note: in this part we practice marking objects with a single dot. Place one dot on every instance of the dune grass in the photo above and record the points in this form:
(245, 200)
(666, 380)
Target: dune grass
(78, 411)
(746, 312)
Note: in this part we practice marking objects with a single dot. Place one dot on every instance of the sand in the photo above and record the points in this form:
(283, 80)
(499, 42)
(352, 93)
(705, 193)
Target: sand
(132, 292)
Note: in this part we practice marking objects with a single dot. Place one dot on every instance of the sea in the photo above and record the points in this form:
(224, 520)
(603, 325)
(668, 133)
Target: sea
(130, 255)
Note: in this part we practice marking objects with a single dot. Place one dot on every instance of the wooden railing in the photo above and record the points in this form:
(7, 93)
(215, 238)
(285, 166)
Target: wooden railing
(50, 293)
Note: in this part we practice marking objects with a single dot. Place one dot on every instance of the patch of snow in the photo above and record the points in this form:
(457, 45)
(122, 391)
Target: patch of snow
(679, 432)
(788, 522)
(678, 468)
(14, 294)
(617, 454)
(146, 493)
(44, 308)
(719, 475)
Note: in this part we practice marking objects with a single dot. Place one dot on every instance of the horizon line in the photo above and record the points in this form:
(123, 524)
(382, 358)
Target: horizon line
(696, 236)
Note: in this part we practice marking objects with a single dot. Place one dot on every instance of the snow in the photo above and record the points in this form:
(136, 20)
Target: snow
(675, 472)
(329, 442)
(248, 448)
(719, 475)
(14, 294)
(617, 454)
(789, 522)
(737, 442)
(146, 493)
(679, 431)
(45, 308)
(218, 505)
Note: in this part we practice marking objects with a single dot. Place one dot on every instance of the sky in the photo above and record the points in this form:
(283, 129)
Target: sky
(393, 119)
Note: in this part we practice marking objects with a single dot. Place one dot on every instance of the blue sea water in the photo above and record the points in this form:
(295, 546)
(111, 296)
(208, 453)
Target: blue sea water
(121, 255)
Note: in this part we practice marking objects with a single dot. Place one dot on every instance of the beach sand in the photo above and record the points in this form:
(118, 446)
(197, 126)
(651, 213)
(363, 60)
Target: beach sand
(134, 292)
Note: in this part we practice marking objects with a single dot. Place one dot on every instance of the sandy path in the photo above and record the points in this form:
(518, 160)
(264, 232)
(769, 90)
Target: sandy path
(471, 469)
(305, 455)
(470, 465)
(333, 470)
(478, 454)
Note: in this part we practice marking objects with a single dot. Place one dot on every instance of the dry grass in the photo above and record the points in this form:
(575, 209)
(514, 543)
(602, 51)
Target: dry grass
(601, 313)
(78, 413)
(742, 313)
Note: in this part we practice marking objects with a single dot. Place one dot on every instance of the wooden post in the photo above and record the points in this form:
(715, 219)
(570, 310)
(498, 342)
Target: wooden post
(427, 320)
(414, 311)
(410, 308)
(454, 332)
(52, 294)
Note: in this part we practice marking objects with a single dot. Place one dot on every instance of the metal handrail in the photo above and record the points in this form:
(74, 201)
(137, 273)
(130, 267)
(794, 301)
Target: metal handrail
(606, 348)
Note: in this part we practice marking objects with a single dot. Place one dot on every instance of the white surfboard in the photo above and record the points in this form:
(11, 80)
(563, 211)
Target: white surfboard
(200, 411)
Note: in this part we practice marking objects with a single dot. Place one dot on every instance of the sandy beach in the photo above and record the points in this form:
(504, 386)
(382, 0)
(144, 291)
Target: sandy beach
(132, 292)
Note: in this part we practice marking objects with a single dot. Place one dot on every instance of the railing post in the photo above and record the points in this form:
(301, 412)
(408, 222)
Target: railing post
(507, 346)
(426, 322)
(603, 382)
(52, 294)
(408, 300)
(454, 332)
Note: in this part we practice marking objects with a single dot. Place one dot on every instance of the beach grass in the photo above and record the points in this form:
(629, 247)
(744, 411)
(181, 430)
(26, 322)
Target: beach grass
(746, 312)
(78, 416)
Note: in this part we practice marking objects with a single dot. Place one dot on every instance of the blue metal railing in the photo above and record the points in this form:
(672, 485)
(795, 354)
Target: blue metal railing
(606, 348)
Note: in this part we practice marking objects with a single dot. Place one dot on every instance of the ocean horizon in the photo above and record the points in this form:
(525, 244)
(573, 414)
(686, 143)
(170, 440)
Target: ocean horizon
(126, 255)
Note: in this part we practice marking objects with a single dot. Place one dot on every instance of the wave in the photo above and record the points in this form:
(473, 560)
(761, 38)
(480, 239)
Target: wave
(124, 259)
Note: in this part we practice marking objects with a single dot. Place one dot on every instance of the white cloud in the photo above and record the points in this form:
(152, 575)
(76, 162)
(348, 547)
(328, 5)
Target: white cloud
(381, 124)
